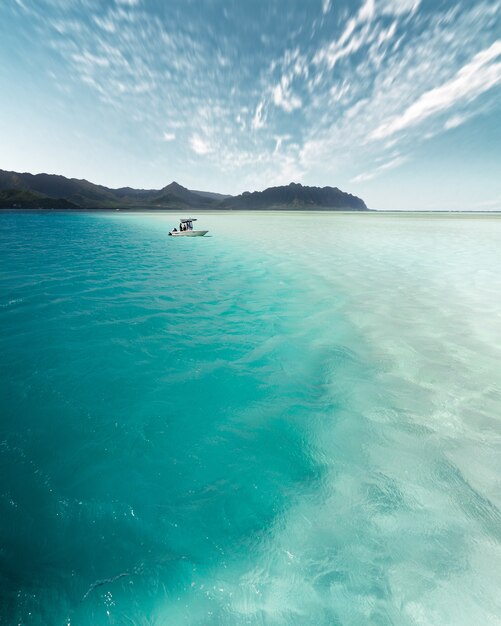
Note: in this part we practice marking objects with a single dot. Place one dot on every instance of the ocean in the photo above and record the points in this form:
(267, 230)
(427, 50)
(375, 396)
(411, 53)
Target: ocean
(292, 420)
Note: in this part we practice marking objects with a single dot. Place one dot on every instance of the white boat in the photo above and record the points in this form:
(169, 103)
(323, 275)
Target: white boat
(186, 229)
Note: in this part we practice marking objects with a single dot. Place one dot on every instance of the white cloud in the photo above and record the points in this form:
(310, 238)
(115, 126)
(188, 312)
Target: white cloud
(347, 73)
(389, 165)
(367, 11)
(357, 33)
(279, 139)
(199, 145)
(455, 121)
(258, 121)
(397, 67)
(89, 60)
(396, 7)
(339, 91)
(283, 97)
(106, 24)
(474, 78)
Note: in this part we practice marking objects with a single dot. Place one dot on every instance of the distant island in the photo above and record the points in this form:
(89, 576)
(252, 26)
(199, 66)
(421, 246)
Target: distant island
(49, 191)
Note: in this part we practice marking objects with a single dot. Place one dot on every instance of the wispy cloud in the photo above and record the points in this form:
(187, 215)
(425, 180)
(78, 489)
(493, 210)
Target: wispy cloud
(258, 121)
(455, 121)
(389, 165)
(397, 7)
(326, 6)
(481, 74)
(315, 92)
(199, 145)
(283, 96)
(398, 69)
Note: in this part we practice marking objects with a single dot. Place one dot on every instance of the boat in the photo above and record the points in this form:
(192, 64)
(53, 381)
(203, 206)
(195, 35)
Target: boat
(186, 229)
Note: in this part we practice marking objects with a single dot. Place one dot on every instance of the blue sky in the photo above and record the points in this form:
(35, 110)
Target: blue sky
(397, 101)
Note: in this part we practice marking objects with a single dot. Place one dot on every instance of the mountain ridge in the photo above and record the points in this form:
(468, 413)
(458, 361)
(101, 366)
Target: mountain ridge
(296, 196)
(26, 190)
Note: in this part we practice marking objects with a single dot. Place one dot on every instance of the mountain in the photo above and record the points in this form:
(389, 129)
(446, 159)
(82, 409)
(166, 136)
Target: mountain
(177, 194)
(295, 196)
(17, 199)
(212, 194)
(85, 195)
(78, 192)
(53, 191)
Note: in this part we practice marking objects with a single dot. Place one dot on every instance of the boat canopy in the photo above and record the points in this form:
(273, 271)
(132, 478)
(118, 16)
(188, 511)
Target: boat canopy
(193, 219)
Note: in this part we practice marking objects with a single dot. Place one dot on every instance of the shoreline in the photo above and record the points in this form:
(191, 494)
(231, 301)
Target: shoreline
(403, 212)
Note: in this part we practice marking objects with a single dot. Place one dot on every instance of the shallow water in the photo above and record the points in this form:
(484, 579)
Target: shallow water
(295, 420)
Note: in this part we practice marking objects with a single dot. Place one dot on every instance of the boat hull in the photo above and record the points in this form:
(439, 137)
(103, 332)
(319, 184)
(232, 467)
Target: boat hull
(190, 233)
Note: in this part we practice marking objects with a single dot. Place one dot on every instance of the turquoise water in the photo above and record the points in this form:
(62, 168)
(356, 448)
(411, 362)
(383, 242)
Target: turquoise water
(293, 421)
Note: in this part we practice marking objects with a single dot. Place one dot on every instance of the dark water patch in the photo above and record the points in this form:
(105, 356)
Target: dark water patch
(147, 432)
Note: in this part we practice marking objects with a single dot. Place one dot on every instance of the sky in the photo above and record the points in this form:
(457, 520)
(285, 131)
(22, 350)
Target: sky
(396, 101)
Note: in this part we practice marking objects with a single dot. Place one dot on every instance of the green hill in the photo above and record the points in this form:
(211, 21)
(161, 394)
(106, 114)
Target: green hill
(296, 196)
(17, 199)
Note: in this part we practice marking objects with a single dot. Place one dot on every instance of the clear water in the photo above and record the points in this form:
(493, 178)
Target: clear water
(294, 421)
